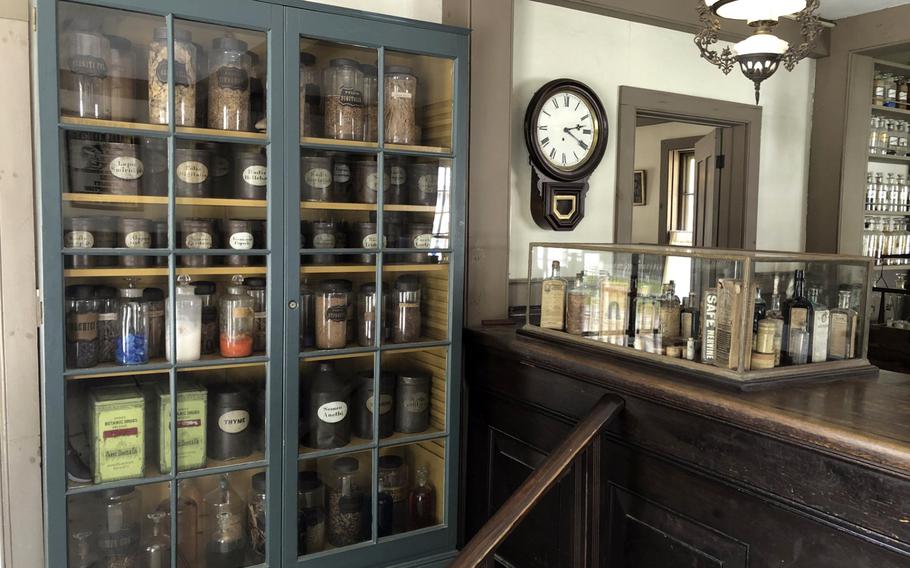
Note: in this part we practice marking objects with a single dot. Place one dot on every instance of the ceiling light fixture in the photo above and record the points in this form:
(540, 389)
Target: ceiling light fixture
(760, 55)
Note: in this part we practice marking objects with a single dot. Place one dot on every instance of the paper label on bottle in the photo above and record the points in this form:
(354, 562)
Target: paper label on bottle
(234, 421)
(234, 78)
(109, 316)
(799, 318)
(332, 412)
(397, 94)
(820, 322)
(241, 241)
(892, 93)
(241, 312)
(370, 241)
(385, 403)
(198, 240)
(553, 304)
(138, 239)
(126, 167)
(902, 96)
(342, 173)
(324, 240)
(398, 175)
(685, 324)
(192, 171)
(82, 327)
(78, 239)
(337, 313)
(427, 183)
(880, 92)
(423, 241)
(256, 175)
(418, 402)
(319, 178)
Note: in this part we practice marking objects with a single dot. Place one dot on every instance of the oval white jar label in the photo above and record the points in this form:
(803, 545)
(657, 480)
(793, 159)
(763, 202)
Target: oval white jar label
(398, 175)
(234, 421)
(417, 403)
(423, 241)
(320, 178)
(385, 403)
(324, 241)
(427, 183)
(342, 173)
(241, 241)
(199, 240)
(138, 239)
(192, 172)
(79, 240)
(369, 241)
(333, 412)
(126, 167)
(256, 175)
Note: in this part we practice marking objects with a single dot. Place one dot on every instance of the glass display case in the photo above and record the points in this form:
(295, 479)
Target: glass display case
(745, 318)
(252, 228)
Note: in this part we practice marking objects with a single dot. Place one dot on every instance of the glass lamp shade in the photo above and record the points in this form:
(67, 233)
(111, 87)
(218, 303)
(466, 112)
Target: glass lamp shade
(761, 43)
(755, 10)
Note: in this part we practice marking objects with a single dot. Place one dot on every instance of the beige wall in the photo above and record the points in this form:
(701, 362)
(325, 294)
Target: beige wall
(645, 227)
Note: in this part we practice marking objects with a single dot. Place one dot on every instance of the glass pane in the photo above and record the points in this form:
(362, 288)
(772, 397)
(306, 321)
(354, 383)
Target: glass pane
(338, 91)
(333, 502)
(418, 96)
(113, 167)
(411, 487)
(417, 380)
(103, 72)
(331, 413)
(331, 286)
(220, 170)
(220, 77)
(418, 299)
(127, 526)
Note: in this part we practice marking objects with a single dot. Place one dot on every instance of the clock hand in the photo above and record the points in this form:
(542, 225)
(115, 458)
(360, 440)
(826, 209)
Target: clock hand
(568, 131)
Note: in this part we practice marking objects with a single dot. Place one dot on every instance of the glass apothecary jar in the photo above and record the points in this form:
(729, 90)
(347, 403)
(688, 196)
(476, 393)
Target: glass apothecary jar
(209, 338)
(85, 88)
(154, 300)
(185, 77)
(366, 314)
(188, 322)
(133, 339)
(256, 517)
(108, 330)
(81, 327)
(345, 503)
(120, 530)
(236, 315)
(256, 288)
(311, 516)
(406, 311)
(311, 118)
(307, 315)
(229, 84)
(122, 70)
(393, 475)
(343, 86)
(226, 542)
(400, 105)
(332, 299)
(370, 102)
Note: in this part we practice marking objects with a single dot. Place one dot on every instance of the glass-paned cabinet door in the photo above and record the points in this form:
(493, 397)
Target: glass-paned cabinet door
(160, 285)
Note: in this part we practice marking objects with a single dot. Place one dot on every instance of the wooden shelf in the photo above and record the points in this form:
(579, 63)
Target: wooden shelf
(341, 144)
(336, 206)
(112, 124)
(239, 135)
(110, 369)
(312, 355)
(414, 267)
(891, 267)
(162, 200)
(867, 213)
(890, 111)
(115, 272)
(411, 208)
(221, 202)
(889, 159)
(424, 149)
(367, 268)
(891, 65)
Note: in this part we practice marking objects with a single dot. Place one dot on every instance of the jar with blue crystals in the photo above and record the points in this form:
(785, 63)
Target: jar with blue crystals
(132, 342)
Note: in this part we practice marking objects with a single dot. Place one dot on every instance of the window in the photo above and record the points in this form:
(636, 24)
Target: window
(682, 196)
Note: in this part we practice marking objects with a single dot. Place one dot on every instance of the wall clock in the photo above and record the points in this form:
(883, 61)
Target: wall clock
(566, 135)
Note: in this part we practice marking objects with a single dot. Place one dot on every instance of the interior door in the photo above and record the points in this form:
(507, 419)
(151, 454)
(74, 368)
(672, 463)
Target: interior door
(707, 189)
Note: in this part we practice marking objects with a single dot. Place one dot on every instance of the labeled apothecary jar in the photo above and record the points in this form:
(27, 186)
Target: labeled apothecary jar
(133, 339)
(307, 316)
(393, 475)
(196, 234)
(122, 169)
(332, 300)
(406, 313)
(366, 314)
(311, 516)
(311, 118)
(239, 234)
(370, 102)
(81, 327)
(255, 287)
(120, 527)
(153, 153)
(343, 90)
(412, 402)
(324, 236)
(185, 77)
(400, 105)
(420, 236)
(209, 338)
(193, 167)
(365, 236)
(85, 89)
(122, 71)
(108, 331)
(236, 317)
(155, 303)
(328, 420)
(345, 503)
(134, 234)
(364, 403)
(342, 177)
(229, 84)
(229, 433)
(366, 181)
(251, 175)
(188, 322)
(87, 233)
(316, 178)
(423, 183)
(256, 517)
(225, 534)
(396, 190)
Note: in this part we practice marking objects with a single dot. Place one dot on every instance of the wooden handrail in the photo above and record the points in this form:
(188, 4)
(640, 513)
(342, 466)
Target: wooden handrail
(517, 507)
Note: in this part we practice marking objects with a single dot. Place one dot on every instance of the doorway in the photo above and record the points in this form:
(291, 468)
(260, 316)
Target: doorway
(687, 170)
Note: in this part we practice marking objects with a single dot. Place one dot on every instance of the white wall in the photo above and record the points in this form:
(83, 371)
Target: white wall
(605, 53)
(647, 157)
(429, 10)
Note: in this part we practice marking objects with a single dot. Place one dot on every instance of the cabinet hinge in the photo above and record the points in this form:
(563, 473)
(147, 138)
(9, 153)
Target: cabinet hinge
(720, 161)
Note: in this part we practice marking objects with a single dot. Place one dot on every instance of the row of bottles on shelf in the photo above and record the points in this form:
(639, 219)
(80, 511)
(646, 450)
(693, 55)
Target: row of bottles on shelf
(644, 314)
(889, 137)
(885, 236)
(891, 194)
(890, 90)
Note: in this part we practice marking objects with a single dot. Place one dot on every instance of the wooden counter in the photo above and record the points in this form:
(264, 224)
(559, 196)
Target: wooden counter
(692, 474)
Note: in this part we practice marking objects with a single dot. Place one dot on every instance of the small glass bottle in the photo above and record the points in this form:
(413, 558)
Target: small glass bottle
(256, 517)
(120, 528)
(81, 327)
(345, 507)
(188, 322)
(842, 329)
(798, 317)
(689, 318)
(406, 310)
(236, 315)
(187, 522)
(81, 554)
(758, 313)
(156, 550)
(670, 312)
(256, 288)
(592, 305)
(553, 301)
(133, 339)
(385, 511)
(422, 501)
(209, 314)
(226, 542)
(818, 352)
(576, 302)
(393, 475)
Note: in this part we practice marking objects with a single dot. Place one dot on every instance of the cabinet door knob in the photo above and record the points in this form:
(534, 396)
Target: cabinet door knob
(292, 305)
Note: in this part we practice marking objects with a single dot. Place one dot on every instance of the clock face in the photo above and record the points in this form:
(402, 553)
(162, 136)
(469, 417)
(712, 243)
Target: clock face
(566, 130)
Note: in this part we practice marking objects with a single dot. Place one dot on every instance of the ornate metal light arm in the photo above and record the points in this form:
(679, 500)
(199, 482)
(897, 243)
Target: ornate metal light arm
(810, 29)
(708, 36)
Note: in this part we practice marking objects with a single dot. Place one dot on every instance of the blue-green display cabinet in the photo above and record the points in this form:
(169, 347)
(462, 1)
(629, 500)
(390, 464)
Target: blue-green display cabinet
(252, 237)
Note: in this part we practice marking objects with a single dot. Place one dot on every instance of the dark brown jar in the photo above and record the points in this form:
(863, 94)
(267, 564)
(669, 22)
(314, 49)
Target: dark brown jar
(412, 402)
(420, 236)
(324, 237)
(154, 161)
(251, 175)
(229, 432)
(193, 172)
(79, 233)
(316, 178)
(364, 237)
(106, 237)
(123, 169)
(366, 181)
(159, 241)
(220, 170)
(423, 178)
(342, 178)
(364, 402)
(326, 417)
(134, 234)
(196, 234)
(84, 161)
(239, 234)
(396, 190)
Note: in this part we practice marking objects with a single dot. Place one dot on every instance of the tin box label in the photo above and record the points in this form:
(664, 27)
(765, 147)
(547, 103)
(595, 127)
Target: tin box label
(418, 402)
(118, 448)
(342, 173)
(241, 241)
(256, 175)
(198, 240)
(78, 239)
(333, 412)
(192, 171)
(385, 403)
(423, 241)
(191, 432)
(126, 167)
(324, 240)
(320, 178)
(234, 421)
(138, 239)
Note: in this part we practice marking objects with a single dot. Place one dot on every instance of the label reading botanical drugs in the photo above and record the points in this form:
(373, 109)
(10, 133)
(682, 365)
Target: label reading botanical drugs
(192, 171)
(198, 240)
(256, 175)
(118, 439)
(126, 167)
(423, 241)
(241, 241)
(138, 239)
(332, 412)
(191, 431)
(234, 421)
(385, 403)
(319, 178)
(78, 239)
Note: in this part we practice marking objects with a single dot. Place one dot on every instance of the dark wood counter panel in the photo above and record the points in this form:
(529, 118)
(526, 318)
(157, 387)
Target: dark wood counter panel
(809, 475)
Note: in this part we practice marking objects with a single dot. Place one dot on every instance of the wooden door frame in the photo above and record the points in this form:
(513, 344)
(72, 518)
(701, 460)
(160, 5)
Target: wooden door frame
(746, 120)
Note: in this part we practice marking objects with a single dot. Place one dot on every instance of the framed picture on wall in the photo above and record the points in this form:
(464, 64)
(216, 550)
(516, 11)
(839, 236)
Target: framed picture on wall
(639, 195)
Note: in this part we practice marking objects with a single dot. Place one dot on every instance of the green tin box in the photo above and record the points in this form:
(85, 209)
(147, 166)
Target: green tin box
(191, 416)
(118, 429)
